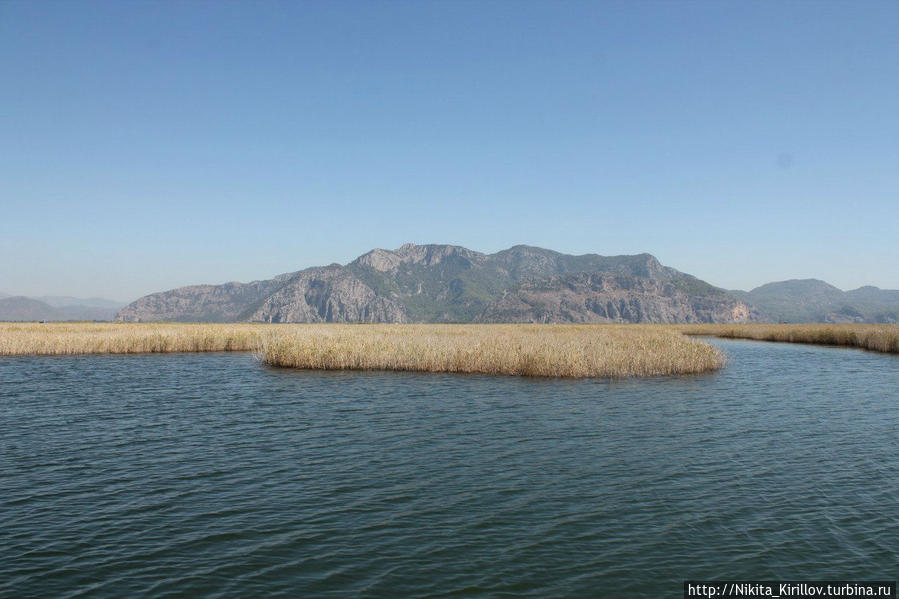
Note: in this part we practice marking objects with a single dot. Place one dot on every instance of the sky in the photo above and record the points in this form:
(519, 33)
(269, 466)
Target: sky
(150, 145)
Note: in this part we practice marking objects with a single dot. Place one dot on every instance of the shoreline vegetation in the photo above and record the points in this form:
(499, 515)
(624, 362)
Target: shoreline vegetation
(595, 350)
(605, 351)
(873, 337)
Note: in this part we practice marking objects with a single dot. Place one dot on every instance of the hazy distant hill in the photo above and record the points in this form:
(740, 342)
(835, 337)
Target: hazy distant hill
(62, 301)
(445, 283)
(28, 308)
(811, 300)
(25, 308)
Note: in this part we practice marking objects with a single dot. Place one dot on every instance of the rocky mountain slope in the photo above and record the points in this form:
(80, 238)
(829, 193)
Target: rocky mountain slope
(812, 300)
(229, 302)
(609, 297)
(445, 283)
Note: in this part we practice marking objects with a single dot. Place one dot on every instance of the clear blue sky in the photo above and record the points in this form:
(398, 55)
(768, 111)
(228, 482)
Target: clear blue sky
(149, 145)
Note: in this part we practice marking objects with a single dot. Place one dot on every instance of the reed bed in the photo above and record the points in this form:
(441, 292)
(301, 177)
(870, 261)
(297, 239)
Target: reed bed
(874, 337)
(125, 338)
(523, 350)
(526, 350)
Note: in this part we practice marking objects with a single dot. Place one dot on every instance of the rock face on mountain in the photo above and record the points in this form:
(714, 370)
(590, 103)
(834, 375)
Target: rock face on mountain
(330, 294)
(812, 300)
(446, 283)
(608, 297)
(228, 302)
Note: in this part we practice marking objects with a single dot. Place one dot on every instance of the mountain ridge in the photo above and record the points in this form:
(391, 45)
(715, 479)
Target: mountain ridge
(450, 283)
(23, 308)
(814, 300)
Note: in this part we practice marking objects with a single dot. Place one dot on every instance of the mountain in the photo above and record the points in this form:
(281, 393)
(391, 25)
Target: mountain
(25, 308)
(446, 283)
(812, 300)
(20, 308)
(230, 302)
(609, 297)
(61, 301)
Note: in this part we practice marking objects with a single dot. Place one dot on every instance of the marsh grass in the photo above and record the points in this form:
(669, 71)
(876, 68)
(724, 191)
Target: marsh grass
(125, 338)
(513, 349)
(524, 350)
(874, 337)
(527, 350)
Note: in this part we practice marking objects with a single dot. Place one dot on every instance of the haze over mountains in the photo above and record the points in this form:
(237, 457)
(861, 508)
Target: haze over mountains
(54, 307)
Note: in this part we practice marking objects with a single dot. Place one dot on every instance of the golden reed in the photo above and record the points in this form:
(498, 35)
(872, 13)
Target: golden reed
(874, 337)
(527, 350)
(125, 338)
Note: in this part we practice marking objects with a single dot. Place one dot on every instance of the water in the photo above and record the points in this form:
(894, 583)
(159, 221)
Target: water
(190, 475)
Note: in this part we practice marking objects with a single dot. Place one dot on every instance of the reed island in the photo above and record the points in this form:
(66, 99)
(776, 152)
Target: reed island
(515, 349)
(570, 350)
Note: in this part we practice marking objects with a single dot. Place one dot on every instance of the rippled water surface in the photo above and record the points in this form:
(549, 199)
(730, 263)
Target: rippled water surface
(193, 474)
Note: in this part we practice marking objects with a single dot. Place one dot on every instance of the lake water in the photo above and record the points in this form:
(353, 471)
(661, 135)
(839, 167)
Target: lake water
(210, 474)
